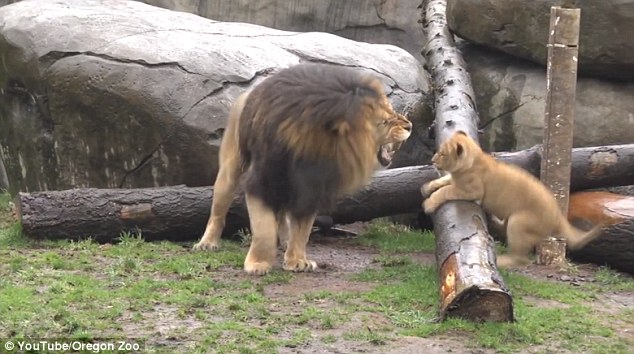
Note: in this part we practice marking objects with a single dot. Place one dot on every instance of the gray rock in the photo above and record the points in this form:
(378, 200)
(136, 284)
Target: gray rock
(4, 179)
(511, 98)
(373, 21)
(123, 94)
(520, 28)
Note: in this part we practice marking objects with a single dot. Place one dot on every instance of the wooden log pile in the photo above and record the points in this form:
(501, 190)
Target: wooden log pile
(616, 213)
(179, 213)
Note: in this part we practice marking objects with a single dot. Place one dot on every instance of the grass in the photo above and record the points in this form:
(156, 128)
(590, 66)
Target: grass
(395, 238)
(181, 301)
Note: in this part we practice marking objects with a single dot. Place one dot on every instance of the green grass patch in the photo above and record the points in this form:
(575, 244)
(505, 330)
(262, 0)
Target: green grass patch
(394, 238)
(408, 297)
(367, 335)
(6, 217)
(184, 301)
(609, 279)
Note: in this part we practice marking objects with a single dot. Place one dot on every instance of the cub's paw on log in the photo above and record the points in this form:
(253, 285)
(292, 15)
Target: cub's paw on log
(430, 205)
(427, 189)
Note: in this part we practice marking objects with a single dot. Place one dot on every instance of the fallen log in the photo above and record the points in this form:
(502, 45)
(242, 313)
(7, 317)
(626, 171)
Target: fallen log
(180, 213)
(470, 284)
(592, 167)
(168, 213)
(615, 246)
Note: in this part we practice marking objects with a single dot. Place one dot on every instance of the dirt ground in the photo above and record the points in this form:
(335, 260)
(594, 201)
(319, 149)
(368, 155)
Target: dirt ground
(338, 259)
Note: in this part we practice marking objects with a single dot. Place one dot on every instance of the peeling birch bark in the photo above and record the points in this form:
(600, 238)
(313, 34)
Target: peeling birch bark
(470, 284)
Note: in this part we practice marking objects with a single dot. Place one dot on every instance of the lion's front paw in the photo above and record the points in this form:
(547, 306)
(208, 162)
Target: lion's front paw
(427, 189)
(257, 268)
(205, 245)
(430, 206)
(299, 265)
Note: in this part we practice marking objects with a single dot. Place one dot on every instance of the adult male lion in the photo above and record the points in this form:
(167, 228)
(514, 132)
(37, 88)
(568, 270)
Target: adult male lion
(299, 141)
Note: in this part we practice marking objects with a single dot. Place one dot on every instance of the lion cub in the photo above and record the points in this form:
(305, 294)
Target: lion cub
(527, 206)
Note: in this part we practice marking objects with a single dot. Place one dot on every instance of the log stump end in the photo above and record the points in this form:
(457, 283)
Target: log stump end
(551, 251)
(481, 305)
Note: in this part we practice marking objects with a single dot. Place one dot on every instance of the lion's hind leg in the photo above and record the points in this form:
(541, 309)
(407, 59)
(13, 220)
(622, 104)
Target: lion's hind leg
(224, 190)
(230, 160)
(263, 250)
(295, 257)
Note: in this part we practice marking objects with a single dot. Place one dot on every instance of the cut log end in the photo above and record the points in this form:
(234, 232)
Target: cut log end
(470, 287)
(481, 305)
(551, 252)
(473, 293)
(616, 213)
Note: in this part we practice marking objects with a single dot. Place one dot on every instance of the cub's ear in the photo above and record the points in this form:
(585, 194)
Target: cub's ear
(461, 132)
(459, 149)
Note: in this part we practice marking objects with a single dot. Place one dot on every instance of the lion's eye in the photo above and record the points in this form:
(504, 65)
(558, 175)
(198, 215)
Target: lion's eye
(385, 121)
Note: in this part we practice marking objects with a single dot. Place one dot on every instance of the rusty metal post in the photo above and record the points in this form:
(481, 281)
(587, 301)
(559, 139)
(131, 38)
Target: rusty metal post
(561, 81)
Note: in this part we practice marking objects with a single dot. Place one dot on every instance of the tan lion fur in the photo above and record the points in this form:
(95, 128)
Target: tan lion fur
(510, 193)
(297, 142)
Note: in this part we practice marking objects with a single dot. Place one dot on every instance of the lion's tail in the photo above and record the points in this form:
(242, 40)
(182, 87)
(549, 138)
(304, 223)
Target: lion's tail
(575, 238)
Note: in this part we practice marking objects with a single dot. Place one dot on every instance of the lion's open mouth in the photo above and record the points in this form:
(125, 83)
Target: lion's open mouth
(386, 153)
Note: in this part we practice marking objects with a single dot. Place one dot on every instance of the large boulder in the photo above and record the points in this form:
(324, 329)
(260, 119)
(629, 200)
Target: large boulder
(520, 28)
(373, 21)
(4, 179)
(123, 94)
(511, 99)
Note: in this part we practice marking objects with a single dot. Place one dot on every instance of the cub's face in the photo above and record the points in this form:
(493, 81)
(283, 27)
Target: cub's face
(392, 129)
(455, 153)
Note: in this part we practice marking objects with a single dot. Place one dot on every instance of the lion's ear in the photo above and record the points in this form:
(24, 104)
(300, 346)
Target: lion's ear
(340, 128)
(461, 132)
(459, 149)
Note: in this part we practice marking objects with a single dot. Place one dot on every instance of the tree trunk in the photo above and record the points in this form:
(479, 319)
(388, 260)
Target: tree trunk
(470, 285)
(615, 246)
(180, 213)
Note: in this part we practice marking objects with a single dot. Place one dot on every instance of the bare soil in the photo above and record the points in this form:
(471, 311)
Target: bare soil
(339, 258)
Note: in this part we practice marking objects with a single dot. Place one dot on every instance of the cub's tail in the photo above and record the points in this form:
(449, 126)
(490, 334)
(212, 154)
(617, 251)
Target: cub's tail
(575, 238)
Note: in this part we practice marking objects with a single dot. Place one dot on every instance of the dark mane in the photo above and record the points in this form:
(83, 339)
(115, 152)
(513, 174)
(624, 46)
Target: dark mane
(291, 129)
(332, 93)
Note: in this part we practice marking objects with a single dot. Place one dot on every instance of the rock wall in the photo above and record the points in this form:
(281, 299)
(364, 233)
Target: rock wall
(511, 99)
(123, 94)
(373, 21)
(520, 28)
